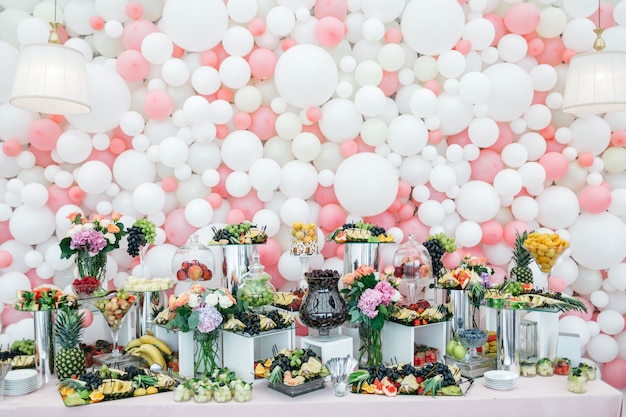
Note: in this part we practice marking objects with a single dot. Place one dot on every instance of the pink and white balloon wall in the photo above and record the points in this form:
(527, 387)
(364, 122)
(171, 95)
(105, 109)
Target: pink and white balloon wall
(420, 116)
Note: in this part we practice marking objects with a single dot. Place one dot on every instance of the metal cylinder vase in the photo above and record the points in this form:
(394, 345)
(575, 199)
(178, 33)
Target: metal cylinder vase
(508, 340)
(357, 254)
(44, 345)
(237, 260)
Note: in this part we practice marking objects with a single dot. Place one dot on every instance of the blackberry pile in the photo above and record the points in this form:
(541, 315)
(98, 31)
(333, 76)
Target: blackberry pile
(92, 380)
(251, 320)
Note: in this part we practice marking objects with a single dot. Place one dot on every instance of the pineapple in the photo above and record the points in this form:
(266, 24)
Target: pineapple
(521, 272)
(68, 329)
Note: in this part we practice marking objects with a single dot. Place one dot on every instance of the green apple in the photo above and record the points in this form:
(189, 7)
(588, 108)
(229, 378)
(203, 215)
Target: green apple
(450, 347)
(459, 352)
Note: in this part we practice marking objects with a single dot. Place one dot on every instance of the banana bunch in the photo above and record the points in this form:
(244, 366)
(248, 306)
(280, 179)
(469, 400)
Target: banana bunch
(234, 325)
(150, 348)
(284, 298)
(404, 314)
(266, 323)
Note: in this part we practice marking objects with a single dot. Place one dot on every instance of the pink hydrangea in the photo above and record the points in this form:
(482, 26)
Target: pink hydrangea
(369, 302)
(386, 291)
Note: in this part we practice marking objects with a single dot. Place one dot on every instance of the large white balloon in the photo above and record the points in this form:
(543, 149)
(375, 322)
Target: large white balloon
(299, 179)
(195, 25)
(598, 241)
(132, 168)
(356, 183)
(558, 207)
(477, 209)
(306, 75)
(240, 149)
(511, 91)
(93, 177)
(431, 28)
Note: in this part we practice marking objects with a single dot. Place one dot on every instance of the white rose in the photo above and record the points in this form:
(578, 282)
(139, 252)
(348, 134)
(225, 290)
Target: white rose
(211, 299)
(110, 237)
(396, 296)
(225, 302)
(194, 300)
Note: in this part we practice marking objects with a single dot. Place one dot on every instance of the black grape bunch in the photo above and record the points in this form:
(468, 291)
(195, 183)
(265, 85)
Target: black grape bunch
(141, 233)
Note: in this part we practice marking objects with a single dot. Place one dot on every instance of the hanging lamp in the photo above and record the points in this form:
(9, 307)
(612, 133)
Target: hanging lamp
(51, 78)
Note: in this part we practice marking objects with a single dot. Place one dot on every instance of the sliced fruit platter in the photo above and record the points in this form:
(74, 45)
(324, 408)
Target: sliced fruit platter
(360, 232)
(222, 386)
(433, 379)
(254, 322)
(513, 296)
(21, 354)
(106, 384)
(42, 298)
(289, 301)
(420, 314)
(293, 372)
(237, 234)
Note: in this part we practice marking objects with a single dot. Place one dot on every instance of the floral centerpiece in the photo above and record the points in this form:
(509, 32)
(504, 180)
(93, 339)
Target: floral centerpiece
(202, 311)
(90, 241)
(473, 275)
(369, 297)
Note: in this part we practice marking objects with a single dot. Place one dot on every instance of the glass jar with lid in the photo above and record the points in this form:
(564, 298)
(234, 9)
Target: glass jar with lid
(193, 261)
(256, 288)
(413, 267)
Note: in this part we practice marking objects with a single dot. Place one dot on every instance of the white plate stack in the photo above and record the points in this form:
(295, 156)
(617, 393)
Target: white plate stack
(20, 381)
(501, 380)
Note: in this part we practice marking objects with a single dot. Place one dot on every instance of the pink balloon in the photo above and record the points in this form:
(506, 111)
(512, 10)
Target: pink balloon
(96, 23)
(135, 32)
(215, 200)
(76, 194)
(235, 216)
(348, 148)
(416, 228)
(606, 15)
(314, 114)
(36, 280)
(87, 317)
(331, 216)
(323, 8)
(329, 31)
(434, 86)
(451, 260)
(498, 25)
(486, 166)
(134, 10)
(58, 197)
(5, 233)
(169, 184)
(435, 137)
(256, 26)
(220, 188)
(618, 138)
(492, 232)
(535, 47)
(269, 253)
(262, 63)
(585, 315)
(552, 54)
(10, 315)
(6, 259)
(43, 134)
(12, 147)
(463, 46)
(242, 120)
(557, 284)
(522, 18)
(330, 248)
(595, 198)
(325, 195)
(390, 83)
(177, 230)
(158, 104)
(264, 123)
(555, 165)
(406, 211)
(614, 373)
(404, 189)
(585, 159)
(512, 227)
(132, 66)
(461, 139)
(498, 276)
(505, 136)
(248, 204)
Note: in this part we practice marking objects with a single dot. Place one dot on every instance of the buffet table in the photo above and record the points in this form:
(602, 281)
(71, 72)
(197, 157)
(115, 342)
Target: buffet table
(537, 396)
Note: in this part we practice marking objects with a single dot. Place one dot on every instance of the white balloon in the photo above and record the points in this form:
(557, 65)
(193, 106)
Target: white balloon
(431, 213)
(93, 177)
(602, 348)
(183, 25)
(598, 241)
(511, 91)
(294, 209)
(575, 325)
(269, 219)
(468, 234)
(132, 168)
(558, 207)
(11, 283)
(198, 212)
(432, 28)
(610, 322)
(74, 146)
(240, 149)
(407, 135)
(512, 47)
(508, 182)
(149, 198)
(299, 179)
(478, 210)
(474, 87)
(524, 208)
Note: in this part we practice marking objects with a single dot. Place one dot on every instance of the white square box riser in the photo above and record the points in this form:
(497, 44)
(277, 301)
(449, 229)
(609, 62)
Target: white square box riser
(399, 341)
(240, 351)
(336, 346)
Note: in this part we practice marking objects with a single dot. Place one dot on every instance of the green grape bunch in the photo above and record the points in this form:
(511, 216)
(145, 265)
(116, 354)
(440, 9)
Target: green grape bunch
(24, 347)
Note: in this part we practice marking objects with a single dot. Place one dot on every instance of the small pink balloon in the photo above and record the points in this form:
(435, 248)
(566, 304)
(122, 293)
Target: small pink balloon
(498, 25)
(134, 33)
(535, 47)
(618, 138)
(348, 148)
(5, 233)
(87, 317)
(11, 147)
(256, 26)
(264, 123)
(10, 315)
(269, 253)
(435, 136)
(498, 276)
(606, 15)
(393, 35)
(287, 43)
(329, 31)
(325, 195)
(215, 200)
(220, 188)
(386, 219)
(522, 18)
(416, 228)
(42, 158)
(177, 230)
(585, 159)
(209, 59)
(595, 198)
(492, 232)
(404, 189)
(57, 197)
(262, 63)
(169, 184)
(235, 216)
(463, 46)
(117, 146)
(158, 104)
(555, 165)
(6, 259)
(132, 66)
(406, 211)
(552, 52)
(248, 204)
(557, 284)
(340, 251)
(242, 120)
(76, 194)
(43, 134)
(434, 86)
(505, 137)
(614, 373)
(314, 114)
(568, 54)
(331, 216)
(510, 230)
(451, 260)
(390, 83)
(486, 166)
(134, 10)
(96, 23)
(323, 8)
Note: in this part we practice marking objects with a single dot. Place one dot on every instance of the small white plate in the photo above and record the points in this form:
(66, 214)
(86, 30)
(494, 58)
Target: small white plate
(501, 375)
(18, 375)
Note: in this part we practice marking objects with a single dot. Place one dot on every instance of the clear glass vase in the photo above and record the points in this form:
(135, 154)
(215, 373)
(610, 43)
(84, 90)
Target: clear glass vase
(371, 350)
(207, 357)
(94, 267)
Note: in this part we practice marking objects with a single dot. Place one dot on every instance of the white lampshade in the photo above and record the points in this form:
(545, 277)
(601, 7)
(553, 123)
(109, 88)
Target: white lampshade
(51, 78)
(596, 83)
